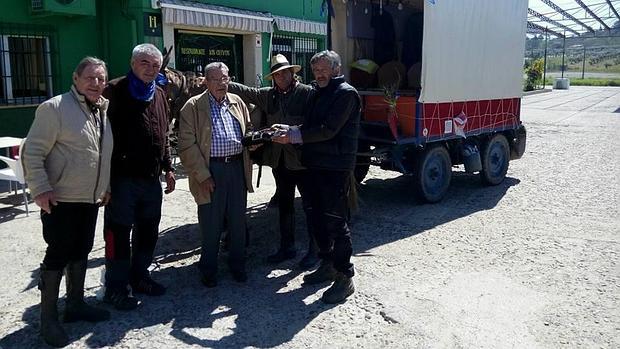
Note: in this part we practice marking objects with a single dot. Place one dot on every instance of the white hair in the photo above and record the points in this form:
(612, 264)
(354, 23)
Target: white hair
(146, 50)
(216, 66)
(332, 57)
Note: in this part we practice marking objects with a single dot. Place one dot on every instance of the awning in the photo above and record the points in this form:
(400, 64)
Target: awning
(198, 14)
(295, 25)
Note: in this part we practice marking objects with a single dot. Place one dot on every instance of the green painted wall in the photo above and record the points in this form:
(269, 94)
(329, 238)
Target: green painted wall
(72, 39)
(111, 35)
(121, 28)
(68, 32)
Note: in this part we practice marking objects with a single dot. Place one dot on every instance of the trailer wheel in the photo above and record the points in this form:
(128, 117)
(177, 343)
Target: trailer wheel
(433, 174)
(495, 157)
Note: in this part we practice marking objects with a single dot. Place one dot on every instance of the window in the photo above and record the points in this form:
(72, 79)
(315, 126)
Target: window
(298, 50)
(25, 68)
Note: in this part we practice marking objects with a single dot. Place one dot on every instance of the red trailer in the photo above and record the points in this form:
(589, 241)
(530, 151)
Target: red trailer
(441, 83)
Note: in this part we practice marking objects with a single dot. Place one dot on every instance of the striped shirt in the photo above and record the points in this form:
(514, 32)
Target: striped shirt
(225, 131)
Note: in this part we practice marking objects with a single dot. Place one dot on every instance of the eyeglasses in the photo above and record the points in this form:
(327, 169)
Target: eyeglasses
(224, 79)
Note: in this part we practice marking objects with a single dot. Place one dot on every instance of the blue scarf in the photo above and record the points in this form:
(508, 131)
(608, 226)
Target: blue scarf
(141, 91)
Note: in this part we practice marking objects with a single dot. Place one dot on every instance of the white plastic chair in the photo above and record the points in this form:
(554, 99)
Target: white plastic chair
(15, 173)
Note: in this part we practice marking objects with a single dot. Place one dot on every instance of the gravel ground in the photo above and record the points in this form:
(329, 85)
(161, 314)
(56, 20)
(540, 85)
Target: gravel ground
(531, 263)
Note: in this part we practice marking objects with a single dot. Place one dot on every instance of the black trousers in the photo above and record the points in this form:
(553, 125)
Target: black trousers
(286, 181)
(328, 209)
(69, 232)
(131, 228)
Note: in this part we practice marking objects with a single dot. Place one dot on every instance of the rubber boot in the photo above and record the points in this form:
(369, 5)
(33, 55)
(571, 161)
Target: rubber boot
(51, 331)
(341, 289)
(77, 309)
(325, 272)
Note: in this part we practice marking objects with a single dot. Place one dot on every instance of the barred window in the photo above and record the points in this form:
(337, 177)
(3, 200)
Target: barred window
(298, 50)
(25, 67)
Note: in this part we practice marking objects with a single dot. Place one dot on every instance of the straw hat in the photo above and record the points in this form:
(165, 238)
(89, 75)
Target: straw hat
(279, 62)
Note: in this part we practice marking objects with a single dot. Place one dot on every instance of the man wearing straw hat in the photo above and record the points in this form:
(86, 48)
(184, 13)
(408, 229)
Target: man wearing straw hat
(284, 103)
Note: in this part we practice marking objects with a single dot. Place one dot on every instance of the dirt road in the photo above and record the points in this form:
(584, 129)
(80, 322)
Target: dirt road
(531, 263)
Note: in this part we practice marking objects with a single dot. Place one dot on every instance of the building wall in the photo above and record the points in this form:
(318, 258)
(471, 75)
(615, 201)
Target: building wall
(117, 27)
(256, 56)
(66, 32)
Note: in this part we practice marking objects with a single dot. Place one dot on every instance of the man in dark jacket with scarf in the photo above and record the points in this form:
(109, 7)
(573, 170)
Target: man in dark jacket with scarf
(284, 103)
(138, 113)
(329, 137)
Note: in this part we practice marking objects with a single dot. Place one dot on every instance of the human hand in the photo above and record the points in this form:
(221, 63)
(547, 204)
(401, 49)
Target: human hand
(253, 147)
(170, 182)
(208, 185)
(280, 128)
(105, 199)
(43, 200)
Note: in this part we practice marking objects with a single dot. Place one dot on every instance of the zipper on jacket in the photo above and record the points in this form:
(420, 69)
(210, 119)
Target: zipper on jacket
(100, 150)
(101, 131)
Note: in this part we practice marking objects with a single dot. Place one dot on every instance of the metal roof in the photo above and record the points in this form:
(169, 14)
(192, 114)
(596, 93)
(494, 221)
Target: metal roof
(574, 17)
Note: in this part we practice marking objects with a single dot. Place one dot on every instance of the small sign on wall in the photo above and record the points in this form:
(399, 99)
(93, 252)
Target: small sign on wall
(259, 40)
(152, 24)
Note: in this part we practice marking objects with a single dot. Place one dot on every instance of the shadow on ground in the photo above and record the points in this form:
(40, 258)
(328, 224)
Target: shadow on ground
(389, 210)
(12, 205)
(262, 312)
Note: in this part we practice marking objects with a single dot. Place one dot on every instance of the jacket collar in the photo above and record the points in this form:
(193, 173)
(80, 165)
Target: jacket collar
(333, 83)
(206, 96)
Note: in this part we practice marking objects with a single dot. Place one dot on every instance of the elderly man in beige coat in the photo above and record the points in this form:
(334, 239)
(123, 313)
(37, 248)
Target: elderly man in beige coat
(211, 127)
(66, 160)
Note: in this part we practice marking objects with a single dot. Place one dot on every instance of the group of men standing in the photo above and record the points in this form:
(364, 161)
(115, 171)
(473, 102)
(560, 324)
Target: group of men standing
(106, 144)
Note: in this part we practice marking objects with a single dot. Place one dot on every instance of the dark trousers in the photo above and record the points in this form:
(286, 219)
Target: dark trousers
(286, 181)
(228, 203)
(328, 209)
(69, 232)
(134, 211)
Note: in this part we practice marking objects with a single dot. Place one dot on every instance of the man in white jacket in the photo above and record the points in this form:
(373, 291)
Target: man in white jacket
(66, 160)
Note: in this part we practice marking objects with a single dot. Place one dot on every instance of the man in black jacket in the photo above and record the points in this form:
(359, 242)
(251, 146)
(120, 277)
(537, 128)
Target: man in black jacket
(138, 113)
(284, 103)
(329, 137)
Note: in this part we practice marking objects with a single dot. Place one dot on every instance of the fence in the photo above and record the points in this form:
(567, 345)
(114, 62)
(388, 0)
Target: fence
(298, 50)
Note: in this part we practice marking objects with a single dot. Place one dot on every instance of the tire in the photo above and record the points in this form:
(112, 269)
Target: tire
(433, 174)
(495, 157)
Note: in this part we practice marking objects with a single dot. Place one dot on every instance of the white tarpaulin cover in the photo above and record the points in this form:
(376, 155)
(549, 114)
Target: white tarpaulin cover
(473, 49)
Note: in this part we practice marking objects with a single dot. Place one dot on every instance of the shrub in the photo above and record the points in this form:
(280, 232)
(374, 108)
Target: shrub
(534, 72)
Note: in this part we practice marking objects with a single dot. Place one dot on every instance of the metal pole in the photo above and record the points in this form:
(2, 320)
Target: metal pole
(563, 53)
(545, 61)
(329, 25)
(583, 68)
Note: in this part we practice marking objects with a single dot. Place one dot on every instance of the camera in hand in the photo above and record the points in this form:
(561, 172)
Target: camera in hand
(257, 137)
